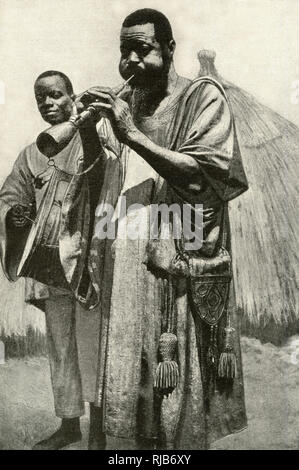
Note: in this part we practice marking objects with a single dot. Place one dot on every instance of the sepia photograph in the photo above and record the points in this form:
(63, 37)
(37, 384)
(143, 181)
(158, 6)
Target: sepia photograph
(149, 227)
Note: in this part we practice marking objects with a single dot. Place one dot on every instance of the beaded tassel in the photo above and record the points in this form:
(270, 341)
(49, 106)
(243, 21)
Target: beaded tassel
(228, 363)
(212, 354)
(167, 373)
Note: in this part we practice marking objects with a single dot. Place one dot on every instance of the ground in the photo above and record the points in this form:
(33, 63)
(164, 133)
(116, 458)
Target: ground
(271, 384)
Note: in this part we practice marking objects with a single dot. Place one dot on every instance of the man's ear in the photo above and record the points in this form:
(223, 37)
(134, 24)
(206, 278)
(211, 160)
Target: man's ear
(73, 96)
(172, 46)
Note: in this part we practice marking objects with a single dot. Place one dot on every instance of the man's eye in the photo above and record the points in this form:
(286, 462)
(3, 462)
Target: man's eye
(56, 95)
(143, 50)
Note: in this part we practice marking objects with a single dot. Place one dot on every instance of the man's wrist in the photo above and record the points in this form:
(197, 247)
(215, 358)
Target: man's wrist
(88, 130)
(134, 137)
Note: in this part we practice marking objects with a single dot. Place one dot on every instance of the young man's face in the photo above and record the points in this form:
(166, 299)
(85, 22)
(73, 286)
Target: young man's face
(141, 55)
(53, 101)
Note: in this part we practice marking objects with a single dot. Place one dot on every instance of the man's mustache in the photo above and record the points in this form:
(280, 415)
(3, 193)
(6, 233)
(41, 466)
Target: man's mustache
(145, 78)
(48, 107)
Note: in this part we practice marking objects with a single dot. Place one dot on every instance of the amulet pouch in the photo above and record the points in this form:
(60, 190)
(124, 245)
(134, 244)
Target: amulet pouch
(210, 288)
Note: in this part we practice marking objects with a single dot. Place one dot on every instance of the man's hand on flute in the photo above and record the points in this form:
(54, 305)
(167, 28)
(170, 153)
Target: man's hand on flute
(169, 164)
(107, 104)
(19, 216)
(81, 103)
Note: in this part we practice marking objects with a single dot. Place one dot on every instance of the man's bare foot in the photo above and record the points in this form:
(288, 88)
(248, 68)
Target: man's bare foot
(67, 434)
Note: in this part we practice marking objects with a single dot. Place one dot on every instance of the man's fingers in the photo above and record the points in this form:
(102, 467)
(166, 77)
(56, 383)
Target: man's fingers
(102, 109)
(101, 96)
(74, 109)
(20, 215)
(18, 209)
(16, 217)
(101, 106)
(91, 95)
(105, 90)
(79, 105)
(19, 222)
(79, 96)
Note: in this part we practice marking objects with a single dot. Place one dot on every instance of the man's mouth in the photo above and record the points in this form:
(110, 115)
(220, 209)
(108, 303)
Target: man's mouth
(50, 113)
(138, 79)
(51, 116)
(136, 71)
(142, 78)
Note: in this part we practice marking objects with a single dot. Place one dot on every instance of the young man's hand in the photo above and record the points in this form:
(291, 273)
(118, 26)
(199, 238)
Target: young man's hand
(81, 103)
(19, 216)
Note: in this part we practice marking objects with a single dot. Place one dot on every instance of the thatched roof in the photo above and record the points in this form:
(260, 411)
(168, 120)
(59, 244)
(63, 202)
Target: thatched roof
(264, 220)
(15, 314)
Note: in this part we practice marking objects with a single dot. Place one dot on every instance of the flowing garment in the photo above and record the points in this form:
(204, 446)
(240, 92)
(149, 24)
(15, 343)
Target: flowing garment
(131, 298)
(118, 337)
(59, 305)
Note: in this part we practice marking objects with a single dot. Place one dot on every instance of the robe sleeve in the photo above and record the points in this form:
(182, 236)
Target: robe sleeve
(209, 136)
(111, 145)
(17, 189)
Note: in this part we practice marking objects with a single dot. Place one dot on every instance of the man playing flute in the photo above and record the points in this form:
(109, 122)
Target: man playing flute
(166, 140)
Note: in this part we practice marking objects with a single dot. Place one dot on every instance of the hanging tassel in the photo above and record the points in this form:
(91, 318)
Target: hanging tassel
(167, 372)
(212, 354)
(228, 363)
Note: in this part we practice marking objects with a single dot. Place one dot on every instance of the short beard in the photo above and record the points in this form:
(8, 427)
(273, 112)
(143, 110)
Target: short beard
(147, 97)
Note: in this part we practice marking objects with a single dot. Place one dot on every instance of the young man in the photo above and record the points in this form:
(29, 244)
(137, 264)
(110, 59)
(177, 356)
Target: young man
(21, 193)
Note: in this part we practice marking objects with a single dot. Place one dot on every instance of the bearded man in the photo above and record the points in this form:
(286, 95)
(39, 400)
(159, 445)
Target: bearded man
(166, 140)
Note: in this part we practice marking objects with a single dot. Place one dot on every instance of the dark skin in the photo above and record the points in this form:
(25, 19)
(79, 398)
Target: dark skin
(143, 56)
(53, 100)
(55, 105)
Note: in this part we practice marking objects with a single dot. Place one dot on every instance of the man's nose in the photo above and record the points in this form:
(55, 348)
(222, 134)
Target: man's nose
(48, 101)
(133, 57)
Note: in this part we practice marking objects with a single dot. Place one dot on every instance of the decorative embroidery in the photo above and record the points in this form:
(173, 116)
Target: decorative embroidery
(209, 296)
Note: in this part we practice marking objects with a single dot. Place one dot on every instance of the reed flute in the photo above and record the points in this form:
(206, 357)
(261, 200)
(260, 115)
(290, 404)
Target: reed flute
(79, 119)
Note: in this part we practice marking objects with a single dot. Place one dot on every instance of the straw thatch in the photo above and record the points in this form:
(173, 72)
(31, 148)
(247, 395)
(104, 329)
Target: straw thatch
(264, 221)
(22, 326)
(264, 227)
